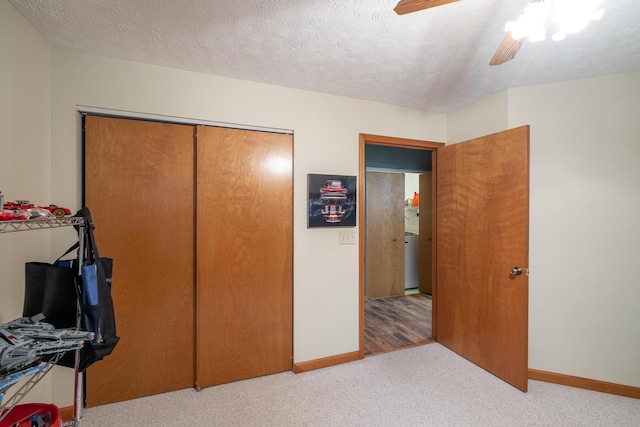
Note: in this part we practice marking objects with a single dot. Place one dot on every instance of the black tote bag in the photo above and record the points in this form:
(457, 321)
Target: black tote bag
(57, 290)
(50, 289)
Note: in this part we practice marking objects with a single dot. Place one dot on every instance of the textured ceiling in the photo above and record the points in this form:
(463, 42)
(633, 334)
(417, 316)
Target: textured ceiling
(435, 60)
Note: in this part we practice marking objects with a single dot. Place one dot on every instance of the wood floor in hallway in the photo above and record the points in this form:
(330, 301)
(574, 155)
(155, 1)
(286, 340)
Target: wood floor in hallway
(397, 322)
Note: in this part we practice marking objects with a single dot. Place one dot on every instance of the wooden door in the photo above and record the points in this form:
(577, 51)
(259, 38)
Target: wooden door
(139, 187)
(482, 233)
(244, 255)
(384, 253)
(425, 269)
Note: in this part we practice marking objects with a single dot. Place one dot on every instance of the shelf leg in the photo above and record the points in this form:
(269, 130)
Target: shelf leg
(77, 401)
(78, 392)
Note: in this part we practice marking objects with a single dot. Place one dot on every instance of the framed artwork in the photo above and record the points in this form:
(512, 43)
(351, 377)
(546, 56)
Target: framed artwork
(332, 200)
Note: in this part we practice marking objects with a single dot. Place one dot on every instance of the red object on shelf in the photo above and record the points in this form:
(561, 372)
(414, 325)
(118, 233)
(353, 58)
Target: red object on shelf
(21, 415)
(416, 199)
(57, 211)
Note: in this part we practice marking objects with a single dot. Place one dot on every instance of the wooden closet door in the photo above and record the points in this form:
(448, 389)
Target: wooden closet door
(385, 234)
(139, 186)
(244, 255)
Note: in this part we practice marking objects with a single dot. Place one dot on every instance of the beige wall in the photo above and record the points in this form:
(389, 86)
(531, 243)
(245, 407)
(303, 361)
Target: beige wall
(484, 117)
(584, 225)
(25, 172)
(584, 210)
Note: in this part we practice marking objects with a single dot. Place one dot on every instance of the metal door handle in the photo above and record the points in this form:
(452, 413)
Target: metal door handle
(516, 271)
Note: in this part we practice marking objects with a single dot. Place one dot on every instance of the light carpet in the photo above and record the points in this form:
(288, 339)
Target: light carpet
(421, 386)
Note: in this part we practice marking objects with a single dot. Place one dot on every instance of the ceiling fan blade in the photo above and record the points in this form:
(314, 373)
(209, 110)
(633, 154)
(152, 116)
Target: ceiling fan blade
(409, 6)
(507, 50)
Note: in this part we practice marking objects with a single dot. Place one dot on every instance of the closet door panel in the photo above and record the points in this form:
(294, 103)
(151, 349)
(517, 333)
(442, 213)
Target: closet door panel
(385, 273)
(139, 186)
(244, 254)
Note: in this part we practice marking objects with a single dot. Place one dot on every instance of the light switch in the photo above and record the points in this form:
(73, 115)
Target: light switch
(347, 237)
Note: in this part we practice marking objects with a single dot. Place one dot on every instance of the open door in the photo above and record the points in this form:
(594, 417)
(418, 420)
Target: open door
(483, 252)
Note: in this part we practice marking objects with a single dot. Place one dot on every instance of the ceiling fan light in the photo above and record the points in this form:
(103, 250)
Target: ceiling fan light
(573, 15)
(573, 24)
(514, 28)
(595, 16)
(518, 31)
(537, 11)
(564, 16)
(531, 23)
(538, 35)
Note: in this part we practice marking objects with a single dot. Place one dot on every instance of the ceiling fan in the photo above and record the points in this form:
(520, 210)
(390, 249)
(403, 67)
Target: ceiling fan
(507, 49)
(568, 16)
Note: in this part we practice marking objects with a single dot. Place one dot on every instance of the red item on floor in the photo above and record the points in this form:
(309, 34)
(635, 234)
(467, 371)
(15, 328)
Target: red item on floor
(25, 415)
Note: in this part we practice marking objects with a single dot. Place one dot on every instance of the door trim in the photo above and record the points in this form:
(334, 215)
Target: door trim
(369, 139)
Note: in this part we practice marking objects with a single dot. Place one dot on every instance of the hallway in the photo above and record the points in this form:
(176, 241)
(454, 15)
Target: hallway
(397, 322)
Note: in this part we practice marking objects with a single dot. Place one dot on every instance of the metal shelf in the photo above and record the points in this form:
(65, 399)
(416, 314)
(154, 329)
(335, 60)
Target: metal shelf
(37, 224)
(38, 374)
(34, 375)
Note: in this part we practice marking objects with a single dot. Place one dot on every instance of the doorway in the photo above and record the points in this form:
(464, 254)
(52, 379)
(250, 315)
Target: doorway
(391, 319)
(479, 248)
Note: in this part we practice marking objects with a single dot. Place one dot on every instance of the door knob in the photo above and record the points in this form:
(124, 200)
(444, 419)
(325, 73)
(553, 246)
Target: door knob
(516, 271)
